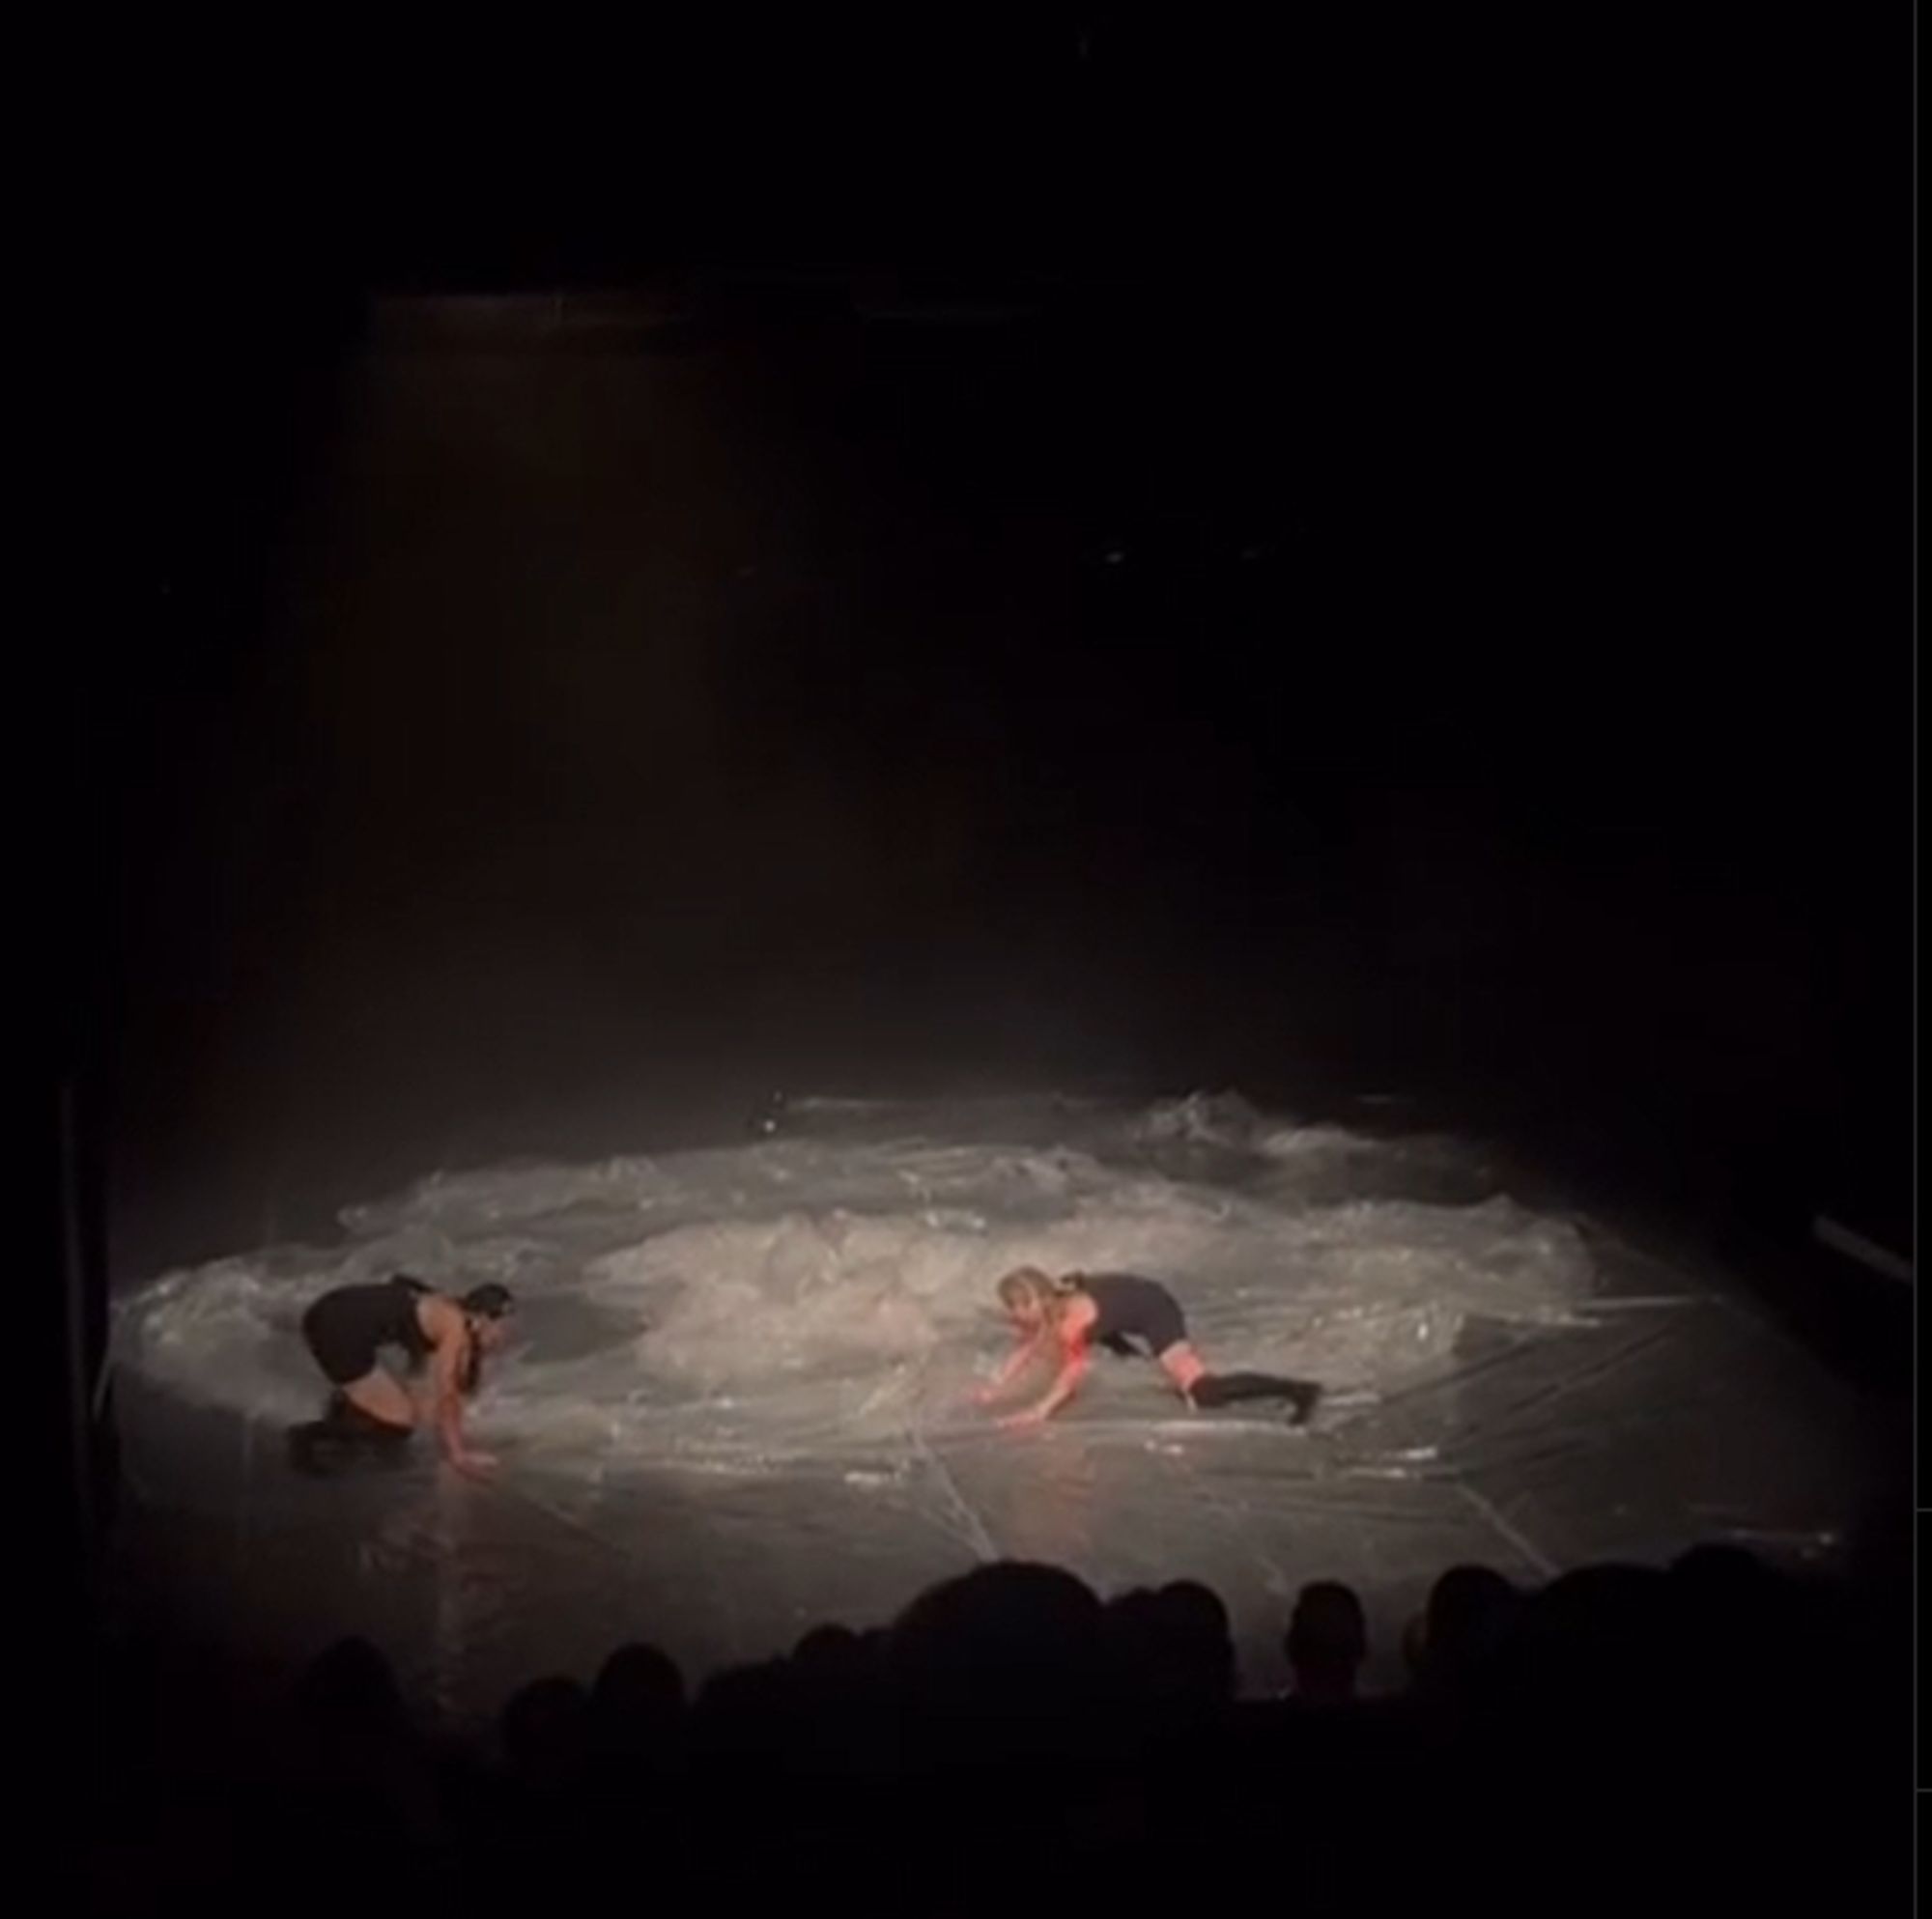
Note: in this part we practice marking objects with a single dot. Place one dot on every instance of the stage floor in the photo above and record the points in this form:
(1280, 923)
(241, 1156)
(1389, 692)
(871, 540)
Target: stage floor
(737, 1409)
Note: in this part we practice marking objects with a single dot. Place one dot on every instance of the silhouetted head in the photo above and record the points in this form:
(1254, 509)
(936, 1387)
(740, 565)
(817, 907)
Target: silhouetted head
(1720, 1573)
(546, 1731)
(1327, 1640)
(1598, 1641)
(743, 1715)
(828, 1649)
(1471, 1609)
(639, 1683)
(351, 1689)
(1194, 1644)
(1737, 1621)
(1131, 1615)
(1011, 1655)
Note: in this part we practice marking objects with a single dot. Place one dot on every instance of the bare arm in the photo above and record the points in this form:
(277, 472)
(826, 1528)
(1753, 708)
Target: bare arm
(1015, 1362)
(1065, 1383)
(446, 1388)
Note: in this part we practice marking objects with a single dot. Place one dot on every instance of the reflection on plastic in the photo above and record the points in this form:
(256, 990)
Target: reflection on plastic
(806, 1295)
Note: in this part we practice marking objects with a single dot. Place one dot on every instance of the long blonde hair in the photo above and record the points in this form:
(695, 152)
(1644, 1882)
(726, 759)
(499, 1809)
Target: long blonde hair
(1028, 1285)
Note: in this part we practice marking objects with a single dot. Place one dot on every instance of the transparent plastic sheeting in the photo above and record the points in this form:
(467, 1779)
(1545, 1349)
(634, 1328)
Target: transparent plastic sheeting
(828, 1288)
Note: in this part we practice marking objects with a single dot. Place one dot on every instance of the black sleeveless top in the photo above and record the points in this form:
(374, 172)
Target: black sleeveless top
(366, 1317)
(1132, 1309)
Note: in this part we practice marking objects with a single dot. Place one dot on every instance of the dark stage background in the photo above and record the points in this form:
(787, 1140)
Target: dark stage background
(1318, 557)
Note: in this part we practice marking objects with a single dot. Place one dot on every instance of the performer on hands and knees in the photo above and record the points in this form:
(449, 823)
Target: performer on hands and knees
(1066, 1316)
(370, 1408)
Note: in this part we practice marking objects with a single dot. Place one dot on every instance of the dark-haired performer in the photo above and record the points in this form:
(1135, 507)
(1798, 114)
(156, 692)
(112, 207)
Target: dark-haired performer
(1126, 1314)
(370, 1408)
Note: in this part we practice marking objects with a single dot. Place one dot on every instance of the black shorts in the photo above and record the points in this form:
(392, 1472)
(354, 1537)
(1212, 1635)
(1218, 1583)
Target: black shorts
(343, 1347)
(1136, 1315)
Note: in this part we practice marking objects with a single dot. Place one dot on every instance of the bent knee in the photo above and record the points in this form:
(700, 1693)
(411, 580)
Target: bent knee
(1182, 1364)
(382, 1398)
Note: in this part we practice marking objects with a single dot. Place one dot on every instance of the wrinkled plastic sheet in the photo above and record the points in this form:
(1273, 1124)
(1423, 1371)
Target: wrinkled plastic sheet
(737, 1402)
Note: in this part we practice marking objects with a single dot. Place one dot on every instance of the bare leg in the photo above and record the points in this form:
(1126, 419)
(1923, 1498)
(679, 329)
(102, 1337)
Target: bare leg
(368, 1420)
(1183, 1366)
(382, 1397)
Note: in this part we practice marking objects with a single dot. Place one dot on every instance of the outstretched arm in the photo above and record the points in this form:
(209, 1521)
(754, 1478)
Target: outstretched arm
(1015, 1362)
(1065, 1383)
